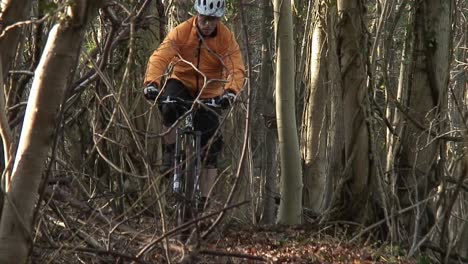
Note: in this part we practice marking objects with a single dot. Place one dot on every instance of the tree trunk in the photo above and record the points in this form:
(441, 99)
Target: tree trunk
(290, 210)
(315, 124)
(265, 104)
(463, 244)
(148, 118)
(51, 78)
(427, 100)
(351, 44)
(12, 12)
(395, 117)
(335, 138)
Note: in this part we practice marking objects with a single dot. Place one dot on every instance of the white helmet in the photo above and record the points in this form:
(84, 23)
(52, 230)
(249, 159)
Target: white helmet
(210, 7)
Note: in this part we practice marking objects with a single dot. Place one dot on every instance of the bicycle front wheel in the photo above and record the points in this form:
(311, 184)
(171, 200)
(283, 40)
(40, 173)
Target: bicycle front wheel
(190, 148)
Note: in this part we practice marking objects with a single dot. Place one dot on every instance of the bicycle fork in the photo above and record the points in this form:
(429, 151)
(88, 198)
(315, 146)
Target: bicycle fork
(187, 164)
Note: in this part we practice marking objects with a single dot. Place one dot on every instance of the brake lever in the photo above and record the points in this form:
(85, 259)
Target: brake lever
(213, 102)
(168, 100)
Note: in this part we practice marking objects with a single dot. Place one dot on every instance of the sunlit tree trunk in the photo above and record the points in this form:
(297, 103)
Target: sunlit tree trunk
(51, 78)
(417, 165)
(11, 12)
(314, 134)
(395, 117)
(354, 190)
(290, 210)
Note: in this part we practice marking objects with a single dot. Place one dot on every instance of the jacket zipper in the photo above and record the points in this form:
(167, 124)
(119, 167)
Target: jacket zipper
(198, 64)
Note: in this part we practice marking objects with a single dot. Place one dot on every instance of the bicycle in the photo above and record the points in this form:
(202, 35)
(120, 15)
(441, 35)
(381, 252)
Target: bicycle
(187, 165)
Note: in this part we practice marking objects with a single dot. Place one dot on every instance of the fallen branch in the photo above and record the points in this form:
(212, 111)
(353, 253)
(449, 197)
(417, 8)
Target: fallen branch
(193, 256)
(61, 195)
(402, 211)
(231, 254)
(183, 227)
(97, 252)
(439, 250)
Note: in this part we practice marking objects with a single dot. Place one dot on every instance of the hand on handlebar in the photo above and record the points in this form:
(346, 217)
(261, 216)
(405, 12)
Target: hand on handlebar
(223, 101)
(227, 99)
(151, 92)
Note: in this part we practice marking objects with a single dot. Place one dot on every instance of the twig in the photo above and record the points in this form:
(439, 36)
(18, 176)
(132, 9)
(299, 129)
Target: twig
(23, 23)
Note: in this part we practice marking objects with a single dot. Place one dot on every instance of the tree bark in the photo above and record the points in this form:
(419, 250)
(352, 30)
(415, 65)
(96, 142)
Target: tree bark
(395, 117)
(417, 164)
(335, 137)
(314, 134)
(351, 44)
(12, 11)
(290, 210)
(265, 104)
(53, 74)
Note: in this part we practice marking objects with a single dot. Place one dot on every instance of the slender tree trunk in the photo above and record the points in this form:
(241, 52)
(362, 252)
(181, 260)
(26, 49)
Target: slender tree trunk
(150, 121)
(463, 245)
(459, 117)
(265, 104)
(351, 44)
(395, 117)
(12, 11)
(335, 160)
(314, 134)
(290, 210)
(52, 76)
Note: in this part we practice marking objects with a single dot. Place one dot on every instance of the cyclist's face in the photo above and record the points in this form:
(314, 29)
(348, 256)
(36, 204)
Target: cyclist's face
(207, 24)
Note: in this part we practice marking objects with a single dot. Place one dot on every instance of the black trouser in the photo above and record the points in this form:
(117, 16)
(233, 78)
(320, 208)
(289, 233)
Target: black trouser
(204, 120)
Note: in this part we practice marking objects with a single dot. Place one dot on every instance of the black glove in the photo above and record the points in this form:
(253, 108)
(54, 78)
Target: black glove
(151, 91)
(227, 99)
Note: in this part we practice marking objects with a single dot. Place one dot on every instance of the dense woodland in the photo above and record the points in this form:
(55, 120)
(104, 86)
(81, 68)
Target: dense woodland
(354, 116)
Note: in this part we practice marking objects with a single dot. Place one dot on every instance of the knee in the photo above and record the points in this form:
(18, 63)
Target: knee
(213, 152)
(169, 114)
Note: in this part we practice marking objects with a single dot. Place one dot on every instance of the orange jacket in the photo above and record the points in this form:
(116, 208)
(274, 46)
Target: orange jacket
(218, 58)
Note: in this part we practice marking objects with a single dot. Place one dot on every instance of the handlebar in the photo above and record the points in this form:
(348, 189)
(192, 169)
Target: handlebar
(211, 102)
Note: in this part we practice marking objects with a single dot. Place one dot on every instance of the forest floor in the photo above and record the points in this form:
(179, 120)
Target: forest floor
(239, 243)
(71, 231)
(287, 245)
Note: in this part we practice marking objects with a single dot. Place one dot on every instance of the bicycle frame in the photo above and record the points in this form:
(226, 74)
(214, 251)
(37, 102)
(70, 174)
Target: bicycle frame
(187, 164)
(187, 170)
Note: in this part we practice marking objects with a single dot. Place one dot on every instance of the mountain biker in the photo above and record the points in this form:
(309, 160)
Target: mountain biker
(206, 61)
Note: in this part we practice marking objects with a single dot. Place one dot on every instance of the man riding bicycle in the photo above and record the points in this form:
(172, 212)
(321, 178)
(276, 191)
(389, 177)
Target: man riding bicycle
(206, 61)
